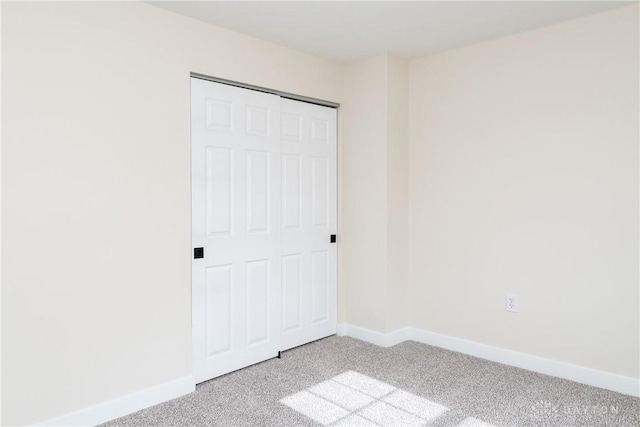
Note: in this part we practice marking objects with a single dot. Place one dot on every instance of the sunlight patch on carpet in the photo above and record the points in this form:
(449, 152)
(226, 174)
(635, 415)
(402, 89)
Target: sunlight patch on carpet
(354, 399)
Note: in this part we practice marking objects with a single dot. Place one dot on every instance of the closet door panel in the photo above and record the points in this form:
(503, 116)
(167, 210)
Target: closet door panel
(236, 220)
(309, 194)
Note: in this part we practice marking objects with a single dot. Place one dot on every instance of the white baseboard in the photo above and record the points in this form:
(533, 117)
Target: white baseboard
(579, 374)
(125, 405)
(377, 338)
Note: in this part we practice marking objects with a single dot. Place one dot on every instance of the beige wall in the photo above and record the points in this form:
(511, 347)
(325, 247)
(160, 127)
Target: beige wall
(397, 194)
(523, 178)
(95, 186)
(363, 174)
(375, 199)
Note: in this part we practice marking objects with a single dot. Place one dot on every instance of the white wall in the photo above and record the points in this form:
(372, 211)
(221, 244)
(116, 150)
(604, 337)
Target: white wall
(523, 178)
(95, 186)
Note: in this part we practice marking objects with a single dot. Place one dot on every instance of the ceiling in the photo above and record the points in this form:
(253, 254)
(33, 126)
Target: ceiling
(348, 31)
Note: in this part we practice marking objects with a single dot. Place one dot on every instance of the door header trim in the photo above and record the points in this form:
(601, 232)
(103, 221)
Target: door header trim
(266, 90)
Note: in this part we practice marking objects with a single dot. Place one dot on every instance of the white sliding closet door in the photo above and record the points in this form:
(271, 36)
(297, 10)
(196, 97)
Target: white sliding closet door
(309, 218)
(263, 212)
(236, 219)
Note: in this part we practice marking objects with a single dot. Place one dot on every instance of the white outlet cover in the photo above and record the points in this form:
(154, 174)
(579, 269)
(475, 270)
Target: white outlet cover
(511, 303)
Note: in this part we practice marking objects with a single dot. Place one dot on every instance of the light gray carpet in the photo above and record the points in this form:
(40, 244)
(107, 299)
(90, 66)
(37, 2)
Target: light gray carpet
(342, 381)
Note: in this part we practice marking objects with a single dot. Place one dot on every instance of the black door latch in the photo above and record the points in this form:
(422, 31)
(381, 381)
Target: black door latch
(198, 253)
(333, 238)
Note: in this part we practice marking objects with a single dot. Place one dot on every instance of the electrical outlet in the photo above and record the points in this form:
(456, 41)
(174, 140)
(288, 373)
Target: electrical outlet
(511, 303)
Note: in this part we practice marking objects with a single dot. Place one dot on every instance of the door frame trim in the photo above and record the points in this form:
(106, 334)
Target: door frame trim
(287, 95)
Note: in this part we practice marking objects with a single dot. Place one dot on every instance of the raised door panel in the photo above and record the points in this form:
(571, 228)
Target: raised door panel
(319, 286)
(258, 180)
(291, 127)
(219, 115)
(257, 120)
(319, 130)
(319, 192)
(219, 188)
(291, 292)
(291, 190)
(257, 291)
(218, 310)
